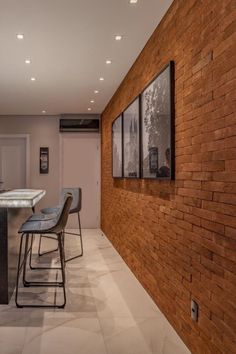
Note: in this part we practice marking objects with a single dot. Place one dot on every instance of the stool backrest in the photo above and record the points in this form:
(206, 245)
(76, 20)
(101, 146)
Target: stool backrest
(77, 198)
(63, 214)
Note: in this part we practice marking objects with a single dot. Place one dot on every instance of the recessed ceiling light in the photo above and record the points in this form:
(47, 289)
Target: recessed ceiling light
(133, 1)
(96, 91)
(118, 37)
(27, 61)
(20, 36)
(43, 112)
(108, 61)
(101, 79)
(32, 79)
(92, 101)
(89, 109)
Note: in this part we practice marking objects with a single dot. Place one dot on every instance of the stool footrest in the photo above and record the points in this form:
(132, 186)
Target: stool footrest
(44, 268)
(41, 306)
(29, 284)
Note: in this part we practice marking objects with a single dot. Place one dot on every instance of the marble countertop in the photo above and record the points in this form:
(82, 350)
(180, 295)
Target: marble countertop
(21, 198)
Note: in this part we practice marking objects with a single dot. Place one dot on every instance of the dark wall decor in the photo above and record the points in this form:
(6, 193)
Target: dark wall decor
(117, 152)
(158, 126)
(44, 160)
(131, 140)
(146, 149)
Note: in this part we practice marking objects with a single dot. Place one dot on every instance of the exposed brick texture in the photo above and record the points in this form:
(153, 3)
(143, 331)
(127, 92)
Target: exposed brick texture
(179, 237)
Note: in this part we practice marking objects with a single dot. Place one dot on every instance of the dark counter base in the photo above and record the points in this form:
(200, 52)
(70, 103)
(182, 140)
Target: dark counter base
(10, 222)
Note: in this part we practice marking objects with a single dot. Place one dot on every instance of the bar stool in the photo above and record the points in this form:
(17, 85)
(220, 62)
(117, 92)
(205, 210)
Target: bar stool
(75, 209)
(33, 226)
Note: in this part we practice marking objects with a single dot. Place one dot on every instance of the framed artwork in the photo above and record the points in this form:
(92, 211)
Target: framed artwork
(117, 155)
(131, 140)
(157, 112)
(44, 160)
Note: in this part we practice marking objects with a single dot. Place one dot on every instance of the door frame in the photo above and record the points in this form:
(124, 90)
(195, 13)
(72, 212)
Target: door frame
(99, 174)
(26, 137)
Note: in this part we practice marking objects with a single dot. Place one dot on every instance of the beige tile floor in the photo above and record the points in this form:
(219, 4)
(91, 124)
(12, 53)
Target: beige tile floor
(107, 311)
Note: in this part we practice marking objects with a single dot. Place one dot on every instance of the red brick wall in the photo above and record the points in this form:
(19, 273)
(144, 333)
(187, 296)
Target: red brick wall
(179, 238)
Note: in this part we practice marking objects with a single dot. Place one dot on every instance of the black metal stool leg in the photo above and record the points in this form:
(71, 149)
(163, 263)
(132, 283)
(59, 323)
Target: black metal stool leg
(18, 272)
(40, 242)
(62, 259)
(80, 234)
(27, 251)
(39, 247)
(81, 241)
(31, 251)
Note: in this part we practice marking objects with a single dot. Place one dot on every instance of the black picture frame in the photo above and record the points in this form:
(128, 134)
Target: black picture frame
(117, 147)
(44, 160)
(157, 126)
(131, 140)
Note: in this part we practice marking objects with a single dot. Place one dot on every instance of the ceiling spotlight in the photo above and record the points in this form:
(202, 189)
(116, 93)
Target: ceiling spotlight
(92, 101)
(108, 61)
(118, 37)
(20, 36)
(101, 79)
(96, 91)
(133, 1)
(27, 61)
(89, 109)
(43, 112)
(32, 79)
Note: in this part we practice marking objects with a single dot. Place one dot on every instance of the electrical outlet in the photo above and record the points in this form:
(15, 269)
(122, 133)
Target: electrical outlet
(194, 310)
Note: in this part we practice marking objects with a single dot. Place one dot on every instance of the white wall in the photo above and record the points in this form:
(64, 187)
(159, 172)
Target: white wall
(43, 131)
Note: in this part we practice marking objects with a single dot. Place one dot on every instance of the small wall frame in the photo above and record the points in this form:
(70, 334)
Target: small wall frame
(44, 160)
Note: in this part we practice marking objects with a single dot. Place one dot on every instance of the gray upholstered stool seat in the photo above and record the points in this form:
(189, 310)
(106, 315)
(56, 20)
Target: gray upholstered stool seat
(52, 210)
(43, 217)
(35, 226)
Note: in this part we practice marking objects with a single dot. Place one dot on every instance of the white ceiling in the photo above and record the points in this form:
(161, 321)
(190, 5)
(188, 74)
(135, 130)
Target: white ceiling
(68, 42)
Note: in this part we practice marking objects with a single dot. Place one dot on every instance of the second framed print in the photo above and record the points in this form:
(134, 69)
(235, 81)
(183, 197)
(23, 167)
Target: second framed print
(131, 140)
(117, 156)
(158, 127)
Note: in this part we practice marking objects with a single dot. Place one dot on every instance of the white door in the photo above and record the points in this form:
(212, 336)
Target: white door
(80, 167)
(13, 152)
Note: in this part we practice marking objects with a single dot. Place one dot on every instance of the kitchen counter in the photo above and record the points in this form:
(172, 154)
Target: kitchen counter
(15, 207)
(21, 198)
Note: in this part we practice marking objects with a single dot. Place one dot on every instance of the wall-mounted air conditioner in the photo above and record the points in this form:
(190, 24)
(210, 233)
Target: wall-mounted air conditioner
(79, 123)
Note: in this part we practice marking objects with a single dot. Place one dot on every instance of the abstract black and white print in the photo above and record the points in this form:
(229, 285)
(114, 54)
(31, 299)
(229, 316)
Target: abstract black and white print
(117, 147)
(131, 141)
